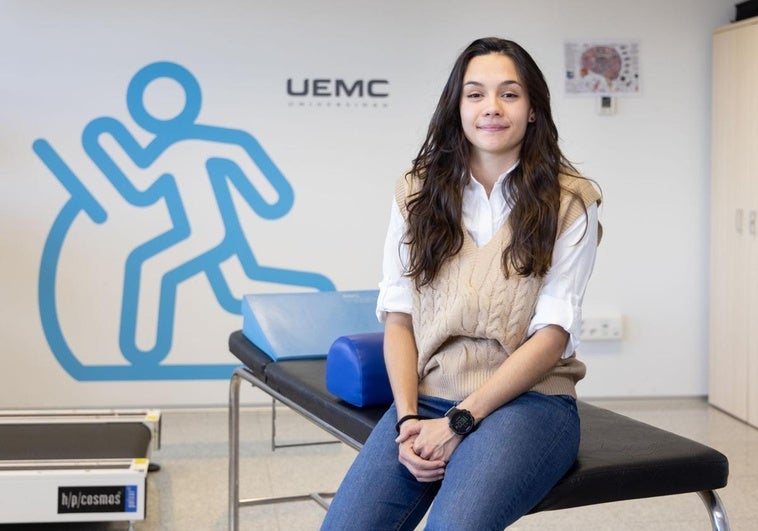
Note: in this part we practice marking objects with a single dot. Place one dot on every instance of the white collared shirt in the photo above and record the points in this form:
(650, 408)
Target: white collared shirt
(559, 302)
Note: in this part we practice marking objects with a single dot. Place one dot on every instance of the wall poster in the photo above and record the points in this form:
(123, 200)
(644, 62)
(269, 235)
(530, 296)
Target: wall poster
(602, 67)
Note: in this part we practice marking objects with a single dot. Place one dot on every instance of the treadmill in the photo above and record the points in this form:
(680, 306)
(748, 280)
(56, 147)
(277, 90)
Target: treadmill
(75, 465)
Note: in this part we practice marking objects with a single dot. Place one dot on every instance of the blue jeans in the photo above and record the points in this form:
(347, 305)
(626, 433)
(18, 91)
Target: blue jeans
(495, 476)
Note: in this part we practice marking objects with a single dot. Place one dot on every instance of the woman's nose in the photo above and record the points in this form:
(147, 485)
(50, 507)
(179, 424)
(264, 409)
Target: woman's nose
(493, 107)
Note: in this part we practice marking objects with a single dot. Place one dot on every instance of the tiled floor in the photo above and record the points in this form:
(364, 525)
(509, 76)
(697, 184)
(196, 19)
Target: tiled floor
(190, 491)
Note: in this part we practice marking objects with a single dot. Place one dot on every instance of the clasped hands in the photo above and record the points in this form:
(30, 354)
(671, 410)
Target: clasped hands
(425, 447)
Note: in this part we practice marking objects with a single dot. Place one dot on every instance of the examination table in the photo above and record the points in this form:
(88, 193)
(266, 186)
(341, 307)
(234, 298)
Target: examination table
(619, 458)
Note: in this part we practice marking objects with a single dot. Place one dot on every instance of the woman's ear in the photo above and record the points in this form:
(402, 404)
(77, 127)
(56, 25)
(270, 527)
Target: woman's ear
(532, 116)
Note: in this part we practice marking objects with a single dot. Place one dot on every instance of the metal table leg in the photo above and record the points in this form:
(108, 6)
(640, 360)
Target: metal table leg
(716, 510)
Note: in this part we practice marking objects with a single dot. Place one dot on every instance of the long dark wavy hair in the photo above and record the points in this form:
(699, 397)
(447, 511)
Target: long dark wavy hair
(435, 228)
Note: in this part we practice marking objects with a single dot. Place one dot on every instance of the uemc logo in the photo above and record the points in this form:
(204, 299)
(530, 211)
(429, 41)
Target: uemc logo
(338, 88)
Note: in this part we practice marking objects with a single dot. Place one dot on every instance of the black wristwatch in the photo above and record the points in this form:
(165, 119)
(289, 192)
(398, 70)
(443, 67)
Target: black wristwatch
(462, 421)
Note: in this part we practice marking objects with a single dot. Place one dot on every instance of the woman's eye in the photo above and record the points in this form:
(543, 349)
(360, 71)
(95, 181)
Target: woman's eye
(510, 95)
(474, 95)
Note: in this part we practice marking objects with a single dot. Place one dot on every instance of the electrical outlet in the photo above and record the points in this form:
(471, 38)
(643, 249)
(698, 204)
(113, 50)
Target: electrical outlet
(602, 329)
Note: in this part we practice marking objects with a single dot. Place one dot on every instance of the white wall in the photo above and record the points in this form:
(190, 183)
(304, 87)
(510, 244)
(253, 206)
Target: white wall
(62, 67)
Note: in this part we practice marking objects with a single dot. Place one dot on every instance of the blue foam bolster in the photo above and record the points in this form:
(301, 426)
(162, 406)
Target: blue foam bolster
(355, 370)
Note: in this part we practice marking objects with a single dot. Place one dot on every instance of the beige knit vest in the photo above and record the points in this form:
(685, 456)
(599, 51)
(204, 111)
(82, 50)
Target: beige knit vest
(471, 318)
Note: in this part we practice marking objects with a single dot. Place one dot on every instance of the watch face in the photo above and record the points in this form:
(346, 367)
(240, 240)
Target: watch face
(461, 422)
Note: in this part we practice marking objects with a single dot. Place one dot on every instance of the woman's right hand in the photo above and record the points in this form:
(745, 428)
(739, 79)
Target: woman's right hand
(423, 470)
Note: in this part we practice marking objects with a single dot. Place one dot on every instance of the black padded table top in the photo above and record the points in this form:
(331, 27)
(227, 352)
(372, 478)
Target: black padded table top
(619, 458)
(250, 355)
(303, 382)
(82, 441)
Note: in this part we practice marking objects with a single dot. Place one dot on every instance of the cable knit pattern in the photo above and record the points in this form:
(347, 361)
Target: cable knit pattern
(471, 318)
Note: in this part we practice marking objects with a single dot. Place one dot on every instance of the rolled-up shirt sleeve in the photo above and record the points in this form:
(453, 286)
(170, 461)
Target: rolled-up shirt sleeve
(395, 293)
(560, 301)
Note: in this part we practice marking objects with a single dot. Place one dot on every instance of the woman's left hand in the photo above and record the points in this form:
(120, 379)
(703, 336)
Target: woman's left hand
(434, 439)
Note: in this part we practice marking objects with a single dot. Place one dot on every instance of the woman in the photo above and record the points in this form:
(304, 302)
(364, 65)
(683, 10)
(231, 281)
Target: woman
(491, 243)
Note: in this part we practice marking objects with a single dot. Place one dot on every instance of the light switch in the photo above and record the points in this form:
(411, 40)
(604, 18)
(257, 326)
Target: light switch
(606, 106)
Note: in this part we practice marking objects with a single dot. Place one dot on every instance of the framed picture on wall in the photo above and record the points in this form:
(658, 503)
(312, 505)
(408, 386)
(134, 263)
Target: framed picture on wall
(602, 67)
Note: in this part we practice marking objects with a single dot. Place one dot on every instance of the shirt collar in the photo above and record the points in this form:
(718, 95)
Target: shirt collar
(473, 183)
